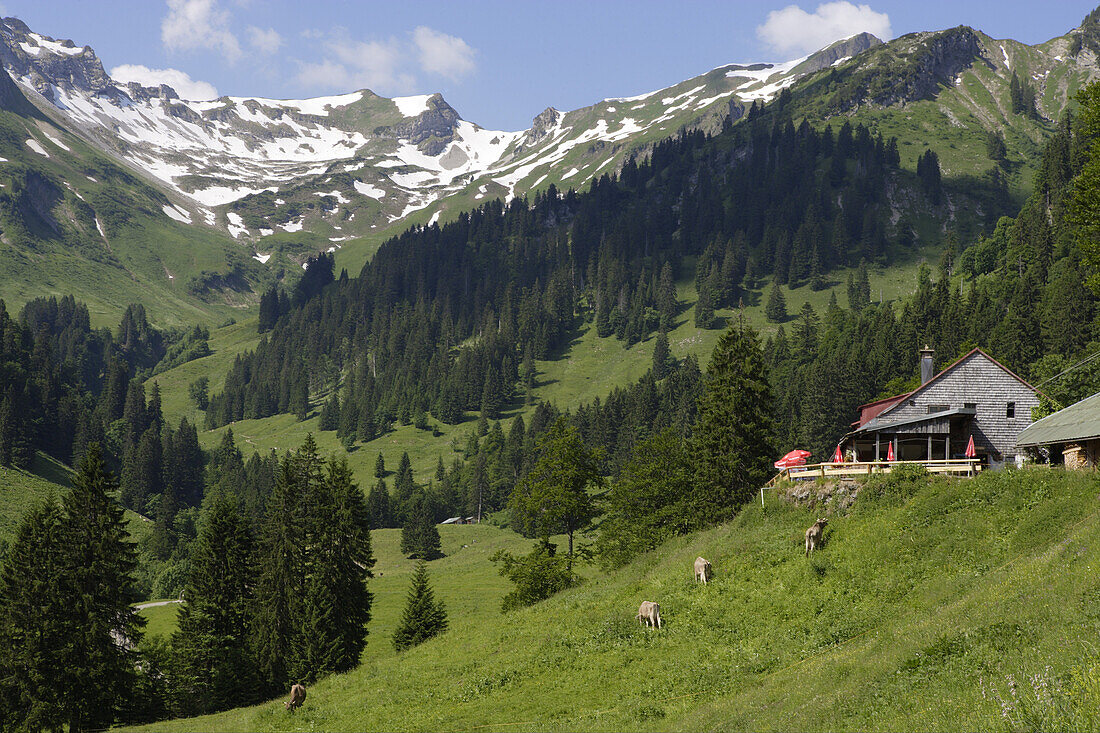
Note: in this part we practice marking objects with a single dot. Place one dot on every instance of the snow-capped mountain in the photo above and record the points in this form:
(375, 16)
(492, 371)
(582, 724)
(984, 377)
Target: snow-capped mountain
(341, 166)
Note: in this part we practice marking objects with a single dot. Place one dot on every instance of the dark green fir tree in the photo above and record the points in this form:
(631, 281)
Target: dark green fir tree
(424, 616)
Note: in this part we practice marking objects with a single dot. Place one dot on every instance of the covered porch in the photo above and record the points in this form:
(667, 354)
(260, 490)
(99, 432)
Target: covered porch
(937, 436)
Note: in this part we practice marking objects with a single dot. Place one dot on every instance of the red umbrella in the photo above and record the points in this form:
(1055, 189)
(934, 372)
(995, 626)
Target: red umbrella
(890, 451)
(970, 452)
(794, 458)
(838, 457)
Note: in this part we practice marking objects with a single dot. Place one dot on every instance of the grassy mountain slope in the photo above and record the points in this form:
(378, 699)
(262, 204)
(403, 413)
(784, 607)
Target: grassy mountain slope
(928, 597)
(21, 491)
(74, 221)
(464, 579)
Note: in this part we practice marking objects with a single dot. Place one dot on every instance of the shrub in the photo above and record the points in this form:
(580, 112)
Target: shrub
(537, 576)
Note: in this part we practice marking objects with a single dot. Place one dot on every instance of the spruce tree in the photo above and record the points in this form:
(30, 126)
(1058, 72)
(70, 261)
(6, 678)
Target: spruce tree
(419, 535)
(378, 506)
(424, 617)
(330, 414)
(35, 624)
(661, 356)
(776, 308)
(99, 674)
(732, 443)
(213, 667)
(379, 466)
(279, 586)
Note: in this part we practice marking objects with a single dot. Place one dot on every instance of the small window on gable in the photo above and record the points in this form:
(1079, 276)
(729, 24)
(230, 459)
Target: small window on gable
(938, 408)
(971, 405)
(1010, 410)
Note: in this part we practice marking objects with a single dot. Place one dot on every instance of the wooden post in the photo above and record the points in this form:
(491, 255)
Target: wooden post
(930, 446)
(878, 453)
(761, 498)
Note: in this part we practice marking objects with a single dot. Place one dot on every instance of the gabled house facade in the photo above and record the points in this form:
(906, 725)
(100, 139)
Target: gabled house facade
(974, 397)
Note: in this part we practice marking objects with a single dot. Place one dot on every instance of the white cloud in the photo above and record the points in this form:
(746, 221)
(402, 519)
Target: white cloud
(793, 30)
(441, 54)
(265, 41)
(184, 85)
(376, 65)
(194, 24)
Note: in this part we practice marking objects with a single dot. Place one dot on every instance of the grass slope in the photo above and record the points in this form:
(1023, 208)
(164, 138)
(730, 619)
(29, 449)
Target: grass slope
(464, 579)
(928, 597)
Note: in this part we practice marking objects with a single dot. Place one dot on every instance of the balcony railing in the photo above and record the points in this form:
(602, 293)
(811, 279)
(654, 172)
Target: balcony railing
(813, 471)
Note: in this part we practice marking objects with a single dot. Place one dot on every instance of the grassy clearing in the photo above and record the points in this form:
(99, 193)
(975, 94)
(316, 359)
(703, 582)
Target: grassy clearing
(464, 579)
(160, 621)
(924, 593)
(226, 343)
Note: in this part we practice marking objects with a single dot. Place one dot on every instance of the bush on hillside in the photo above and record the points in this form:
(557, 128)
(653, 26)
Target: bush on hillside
(537, 576)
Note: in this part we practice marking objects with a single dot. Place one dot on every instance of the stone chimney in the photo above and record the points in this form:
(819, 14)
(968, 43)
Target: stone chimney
(926, 369)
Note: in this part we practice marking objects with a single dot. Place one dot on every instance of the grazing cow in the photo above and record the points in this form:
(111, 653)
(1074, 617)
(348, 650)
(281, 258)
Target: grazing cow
(702, 570)
(297, 697)
(649, 613)
(815, 535)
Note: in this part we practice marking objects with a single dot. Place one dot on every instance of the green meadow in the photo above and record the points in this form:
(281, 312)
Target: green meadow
(932, 602)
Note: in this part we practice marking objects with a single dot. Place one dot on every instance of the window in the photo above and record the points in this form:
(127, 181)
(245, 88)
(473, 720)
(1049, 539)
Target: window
(938, 408)
(1010, 411)
(971, 405)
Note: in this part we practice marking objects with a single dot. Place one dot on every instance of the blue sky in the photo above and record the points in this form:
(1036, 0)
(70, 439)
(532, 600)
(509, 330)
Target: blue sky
(497, 63)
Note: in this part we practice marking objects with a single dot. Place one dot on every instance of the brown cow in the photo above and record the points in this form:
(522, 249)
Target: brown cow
(649, 613)
(702, 570)
(297, 697)
(815, 535)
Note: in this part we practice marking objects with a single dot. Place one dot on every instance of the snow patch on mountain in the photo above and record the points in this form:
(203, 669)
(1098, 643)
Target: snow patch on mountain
(36, 146)
(368, 190)
(412, 106)
(174, 212)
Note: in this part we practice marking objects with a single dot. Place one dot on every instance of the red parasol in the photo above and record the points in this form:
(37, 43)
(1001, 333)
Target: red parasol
(838, 457)
(970, 452)
(794, 458)
(890, 451)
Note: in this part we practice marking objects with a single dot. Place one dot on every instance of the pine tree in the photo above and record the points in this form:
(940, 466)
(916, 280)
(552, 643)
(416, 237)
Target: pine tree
(666, 297)
(380, 466)
(35, 624)
(213, 667)
(378, 506)
(732, 443)
(661, 356)
(424, 617)
(330, 414)
(419, 535)
(279, 586)
(776, 309)
(99, 675)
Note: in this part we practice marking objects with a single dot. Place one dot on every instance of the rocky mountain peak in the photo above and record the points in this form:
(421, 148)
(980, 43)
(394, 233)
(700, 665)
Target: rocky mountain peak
(433, 129)
(47, 62)
(541, 126)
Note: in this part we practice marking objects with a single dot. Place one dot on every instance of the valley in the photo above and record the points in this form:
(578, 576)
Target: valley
(352, 393)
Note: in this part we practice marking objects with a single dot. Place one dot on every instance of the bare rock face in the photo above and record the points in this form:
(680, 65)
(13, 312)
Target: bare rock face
(433, 129)
(47, 62)
(541, 126)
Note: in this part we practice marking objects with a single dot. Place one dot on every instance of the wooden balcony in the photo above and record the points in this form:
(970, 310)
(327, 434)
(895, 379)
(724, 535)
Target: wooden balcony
(813, 471)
